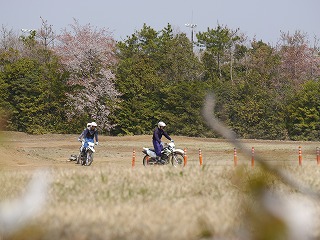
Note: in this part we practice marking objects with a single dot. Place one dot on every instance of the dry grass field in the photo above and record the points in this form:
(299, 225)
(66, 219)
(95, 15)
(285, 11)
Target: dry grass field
(112, 200)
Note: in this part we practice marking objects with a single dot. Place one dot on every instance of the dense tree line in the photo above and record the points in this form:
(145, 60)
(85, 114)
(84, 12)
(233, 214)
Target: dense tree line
(57, 83)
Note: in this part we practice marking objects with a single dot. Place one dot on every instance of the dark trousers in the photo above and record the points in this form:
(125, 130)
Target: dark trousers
(157, 147)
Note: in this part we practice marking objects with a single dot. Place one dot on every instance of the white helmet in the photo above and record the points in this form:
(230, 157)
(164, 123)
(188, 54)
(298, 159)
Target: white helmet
(93, 124)
(88, 124)
(161, 124)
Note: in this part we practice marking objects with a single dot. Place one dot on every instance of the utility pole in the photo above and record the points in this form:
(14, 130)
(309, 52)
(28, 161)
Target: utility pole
(192, 26)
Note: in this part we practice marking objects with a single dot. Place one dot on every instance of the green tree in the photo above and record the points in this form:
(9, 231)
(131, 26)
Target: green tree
(218, 43)
(182, 104)
(54, 89)
(177, 62)
(137, 81)
(152, 67)
(34, 96)
(253, 113)
(22, 78)
(33, 88)
(303, 112)
(139, 84)
(4, 115)
(253, 107)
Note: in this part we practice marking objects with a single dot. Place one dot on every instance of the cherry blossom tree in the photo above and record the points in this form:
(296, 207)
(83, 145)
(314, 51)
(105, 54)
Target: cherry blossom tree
(300, 61)
(8, 39)
(89, 56)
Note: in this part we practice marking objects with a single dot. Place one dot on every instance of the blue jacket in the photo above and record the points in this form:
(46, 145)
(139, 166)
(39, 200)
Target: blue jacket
(90, 134)
(158, 133)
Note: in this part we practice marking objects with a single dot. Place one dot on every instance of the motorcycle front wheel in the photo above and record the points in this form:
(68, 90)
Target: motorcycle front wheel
(83, 159)
(89, 158)
(177, 160)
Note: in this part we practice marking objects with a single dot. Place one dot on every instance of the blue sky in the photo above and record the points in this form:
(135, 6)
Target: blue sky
(262, 19)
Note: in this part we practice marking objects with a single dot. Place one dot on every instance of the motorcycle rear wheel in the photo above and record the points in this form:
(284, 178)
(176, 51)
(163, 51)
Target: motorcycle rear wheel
(177, 160)
(147, 161)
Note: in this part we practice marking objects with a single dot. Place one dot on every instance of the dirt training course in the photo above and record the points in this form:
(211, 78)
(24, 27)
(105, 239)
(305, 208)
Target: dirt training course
(29, 151)
(111, 199)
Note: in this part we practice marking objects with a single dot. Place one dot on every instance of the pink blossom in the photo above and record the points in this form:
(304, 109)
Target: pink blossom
(89, 55)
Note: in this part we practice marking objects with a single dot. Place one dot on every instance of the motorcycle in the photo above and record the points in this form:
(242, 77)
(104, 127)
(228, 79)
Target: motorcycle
(85, 156)
(169, 154)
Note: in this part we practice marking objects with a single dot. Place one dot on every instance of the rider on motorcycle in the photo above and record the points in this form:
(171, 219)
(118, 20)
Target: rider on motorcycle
(89, 135)
(82, 134)
(156, 140)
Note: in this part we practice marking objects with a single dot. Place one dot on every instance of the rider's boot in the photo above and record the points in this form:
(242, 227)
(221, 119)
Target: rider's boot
(159, 160)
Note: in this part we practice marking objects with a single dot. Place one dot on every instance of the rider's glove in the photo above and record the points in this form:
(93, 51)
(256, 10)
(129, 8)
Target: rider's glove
(172, 140)
(97, 143)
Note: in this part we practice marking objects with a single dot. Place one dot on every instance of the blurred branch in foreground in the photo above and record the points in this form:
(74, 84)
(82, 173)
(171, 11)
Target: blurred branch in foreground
(271, 215)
